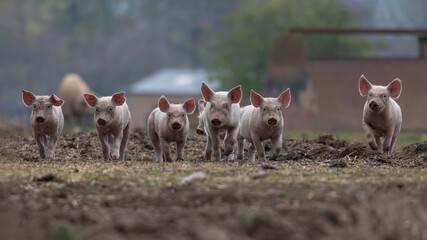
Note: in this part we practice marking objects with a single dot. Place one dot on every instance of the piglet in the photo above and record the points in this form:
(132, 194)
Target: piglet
(169, 123)
(221, 114)
(200, 130)
(112, 120)
(382, 117)
(46, 121)
(260, 121)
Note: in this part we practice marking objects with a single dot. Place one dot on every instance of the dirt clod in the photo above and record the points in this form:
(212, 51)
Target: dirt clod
(338, 163)
(268, 167)
(47, 178)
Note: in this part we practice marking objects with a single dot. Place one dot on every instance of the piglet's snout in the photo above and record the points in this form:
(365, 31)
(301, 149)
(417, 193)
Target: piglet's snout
(272, 121)
(40, 119)
(101, 122)
(374, 106)
(176, 125)
(216, 122)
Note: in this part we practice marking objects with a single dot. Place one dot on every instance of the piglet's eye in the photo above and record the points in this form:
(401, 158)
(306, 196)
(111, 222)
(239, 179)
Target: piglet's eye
(34, 106)
(264, 109)
(48, 106)
(370, 95)
(169, 115)
(182, 115)
(111, 109)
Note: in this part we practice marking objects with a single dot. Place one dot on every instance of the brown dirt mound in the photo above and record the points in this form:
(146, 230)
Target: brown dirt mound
(328, 148)
(415, 149)
(325, 148)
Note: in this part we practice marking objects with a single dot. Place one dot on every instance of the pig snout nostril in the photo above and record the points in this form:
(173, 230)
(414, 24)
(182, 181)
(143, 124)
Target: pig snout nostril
(101, 122)
(216, 122)
(272, 121)
(176, 126)
(40, 119)
(374, 106)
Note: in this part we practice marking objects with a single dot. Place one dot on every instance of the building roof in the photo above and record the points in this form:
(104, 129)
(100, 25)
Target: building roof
(173, 81)
(391, 14)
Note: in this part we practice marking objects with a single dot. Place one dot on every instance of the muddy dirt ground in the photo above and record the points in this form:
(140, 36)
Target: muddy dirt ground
(325, 188)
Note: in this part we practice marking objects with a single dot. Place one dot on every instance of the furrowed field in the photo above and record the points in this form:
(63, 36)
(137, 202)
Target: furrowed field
(321, 187)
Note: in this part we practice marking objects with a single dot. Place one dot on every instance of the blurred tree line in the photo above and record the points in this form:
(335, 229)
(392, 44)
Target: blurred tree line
(245, 44)
(113, 43)
(110, 42)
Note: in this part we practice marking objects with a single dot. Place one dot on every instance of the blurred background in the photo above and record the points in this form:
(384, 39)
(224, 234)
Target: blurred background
(153, 47)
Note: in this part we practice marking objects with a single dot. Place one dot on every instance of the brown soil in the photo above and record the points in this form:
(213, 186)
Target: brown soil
(325, 188)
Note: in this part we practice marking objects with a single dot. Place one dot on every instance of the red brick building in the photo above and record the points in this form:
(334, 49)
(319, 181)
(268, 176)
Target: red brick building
(325, 92)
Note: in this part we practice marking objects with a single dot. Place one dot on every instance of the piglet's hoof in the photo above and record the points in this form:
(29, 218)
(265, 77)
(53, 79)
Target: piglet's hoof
(115, 156)
(230, 157)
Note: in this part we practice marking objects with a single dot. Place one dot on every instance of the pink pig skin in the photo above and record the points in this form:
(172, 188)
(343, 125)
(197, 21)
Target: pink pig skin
(46, 121)
(200, 128)
(169, 123)
(112, 121)
(221, 114)
(382, 116)
(260, 121)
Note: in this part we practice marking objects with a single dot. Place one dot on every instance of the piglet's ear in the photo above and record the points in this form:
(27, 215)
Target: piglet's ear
(163, 104)
(364, 86)
(56, 100)
(395, 88)
(190, 105)
(285, 98)
(201, 105)
(28, 97)
(256, 99)
(235, 94)
(118, 98)
(90, 99)
(207, 92)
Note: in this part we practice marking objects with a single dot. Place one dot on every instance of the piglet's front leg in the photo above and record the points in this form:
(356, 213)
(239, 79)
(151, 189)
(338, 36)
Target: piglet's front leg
(208, 150)
(41, 144)
(379, 143)
(215, 146)
(259, 148)
(387, 142)
(124, 142)
(105, 146)
(180, 149)
(51, 146)
(277, 146)
(370, 136)
(115, 146)
(240, 145)
(251, 153)
(166, 151)
(230, 142)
